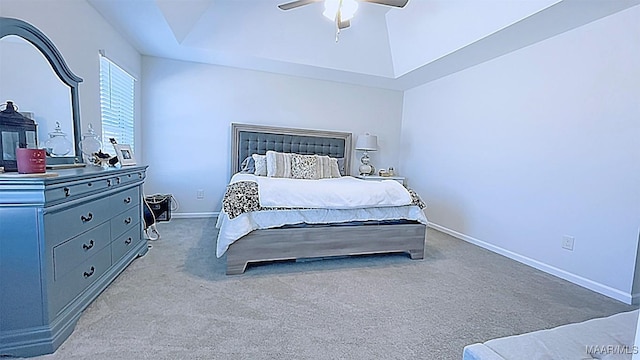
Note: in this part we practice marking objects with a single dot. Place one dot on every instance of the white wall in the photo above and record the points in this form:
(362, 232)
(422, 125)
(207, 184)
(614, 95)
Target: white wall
(78, 31)
(543, 142)
(188, 109)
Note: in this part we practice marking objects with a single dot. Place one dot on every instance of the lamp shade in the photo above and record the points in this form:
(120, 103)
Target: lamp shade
(367, 142)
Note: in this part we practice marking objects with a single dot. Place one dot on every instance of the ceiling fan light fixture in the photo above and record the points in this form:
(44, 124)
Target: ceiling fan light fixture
(346, 8)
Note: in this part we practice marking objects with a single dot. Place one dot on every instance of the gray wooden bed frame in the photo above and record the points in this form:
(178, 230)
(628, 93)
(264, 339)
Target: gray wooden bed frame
(312, 241)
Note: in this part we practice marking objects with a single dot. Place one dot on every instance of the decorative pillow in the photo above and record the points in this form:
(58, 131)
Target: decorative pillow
(248, 165)
(278, 164)
(335, 169)
(260, 162)
(341, 166)
(324, 167)
(304, 166)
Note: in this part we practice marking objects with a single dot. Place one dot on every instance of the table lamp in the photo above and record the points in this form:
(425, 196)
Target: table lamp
(366, 143)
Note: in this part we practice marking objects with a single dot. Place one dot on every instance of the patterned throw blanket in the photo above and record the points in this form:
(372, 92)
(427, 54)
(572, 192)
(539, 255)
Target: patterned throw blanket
(242, 197)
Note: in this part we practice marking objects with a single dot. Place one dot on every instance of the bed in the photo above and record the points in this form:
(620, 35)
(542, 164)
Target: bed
(259, 233)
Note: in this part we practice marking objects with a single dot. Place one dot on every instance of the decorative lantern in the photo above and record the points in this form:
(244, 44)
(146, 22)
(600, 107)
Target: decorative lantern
(16, 131)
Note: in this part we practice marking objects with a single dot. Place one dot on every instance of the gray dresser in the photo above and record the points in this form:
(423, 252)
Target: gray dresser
(63, 239)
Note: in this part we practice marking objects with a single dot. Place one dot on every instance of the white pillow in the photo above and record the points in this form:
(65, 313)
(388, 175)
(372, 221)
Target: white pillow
(335, 169)
(278, 164)
(260, 164)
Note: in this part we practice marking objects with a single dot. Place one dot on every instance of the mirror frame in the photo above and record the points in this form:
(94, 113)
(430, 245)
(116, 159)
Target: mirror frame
(20, 28)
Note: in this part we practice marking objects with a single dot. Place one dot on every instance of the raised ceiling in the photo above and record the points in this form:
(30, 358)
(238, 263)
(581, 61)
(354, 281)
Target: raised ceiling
(384, 47)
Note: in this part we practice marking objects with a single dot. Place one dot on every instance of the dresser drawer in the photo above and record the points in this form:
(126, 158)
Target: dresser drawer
(125, 221)
(125, 200)
(69, 254)
(62, 225)
(71, 190)
(79, 278)
(129, 178)
(124, 243)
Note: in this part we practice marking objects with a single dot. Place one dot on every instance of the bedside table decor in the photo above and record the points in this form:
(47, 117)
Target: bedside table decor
(366, 143)
(400, 179)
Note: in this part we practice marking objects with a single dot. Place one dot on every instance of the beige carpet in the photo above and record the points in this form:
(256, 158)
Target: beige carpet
(176, 303)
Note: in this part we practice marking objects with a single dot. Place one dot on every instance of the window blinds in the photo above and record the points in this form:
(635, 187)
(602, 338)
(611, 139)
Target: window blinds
(116, 104)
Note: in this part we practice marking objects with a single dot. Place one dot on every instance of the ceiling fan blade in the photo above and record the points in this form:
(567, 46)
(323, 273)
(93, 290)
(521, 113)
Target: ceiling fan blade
(344, 24)
(295, 4)
(395, 3)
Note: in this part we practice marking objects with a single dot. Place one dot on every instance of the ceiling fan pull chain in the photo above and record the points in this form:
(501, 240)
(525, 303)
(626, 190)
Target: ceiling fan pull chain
(337, 29)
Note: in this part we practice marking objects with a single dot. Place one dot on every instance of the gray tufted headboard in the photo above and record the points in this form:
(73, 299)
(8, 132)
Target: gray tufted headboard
(257, 139)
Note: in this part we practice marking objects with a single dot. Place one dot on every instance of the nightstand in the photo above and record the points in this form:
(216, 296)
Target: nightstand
(399, 179)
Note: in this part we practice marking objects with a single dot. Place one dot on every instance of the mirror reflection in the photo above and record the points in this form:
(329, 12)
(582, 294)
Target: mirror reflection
(38, 93)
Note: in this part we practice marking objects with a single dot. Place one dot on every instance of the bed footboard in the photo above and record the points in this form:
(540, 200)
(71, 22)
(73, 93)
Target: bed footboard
(324, 241)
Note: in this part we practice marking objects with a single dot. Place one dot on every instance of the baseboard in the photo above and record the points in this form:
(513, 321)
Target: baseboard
(576, 279)
(195, 215)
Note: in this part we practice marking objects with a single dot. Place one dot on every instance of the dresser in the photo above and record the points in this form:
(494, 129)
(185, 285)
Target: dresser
(63, 240)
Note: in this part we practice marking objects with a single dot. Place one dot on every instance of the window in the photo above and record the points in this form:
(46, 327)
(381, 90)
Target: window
(116, 104)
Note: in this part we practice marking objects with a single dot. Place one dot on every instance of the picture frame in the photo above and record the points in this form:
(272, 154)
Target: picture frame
(124, 154)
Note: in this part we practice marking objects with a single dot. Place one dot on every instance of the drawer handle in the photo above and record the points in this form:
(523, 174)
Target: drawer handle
(88, 246)
(90, 272)
(86, 218)
(139, 175)
(89, 184)
(127, 200)
(117, 180)
(127, 220)
(128, 241)
(67, 192)
(108, 182)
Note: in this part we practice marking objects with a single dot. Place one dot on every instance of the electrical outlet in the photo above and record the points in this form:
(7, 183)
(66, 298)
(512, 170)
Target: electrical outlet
(200, 194)
(567, 242)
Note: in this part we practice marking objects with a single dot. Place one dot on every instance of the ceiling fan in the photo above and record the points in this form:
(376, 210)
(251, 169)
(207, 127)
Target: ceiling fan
(341, 11)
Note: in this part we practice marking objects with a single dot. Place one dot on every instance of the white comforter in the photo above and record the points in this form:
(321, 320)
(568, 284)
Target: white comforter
(393, 204)
(336, 193)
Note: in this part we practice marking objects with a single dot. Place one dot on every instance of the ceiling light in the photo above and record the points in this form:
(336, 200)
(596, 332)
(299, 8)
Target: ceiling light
(341, 9)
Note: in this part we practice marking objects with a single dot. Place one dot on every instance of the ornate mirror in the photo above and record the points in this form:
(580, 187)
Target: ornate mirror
(63, 112)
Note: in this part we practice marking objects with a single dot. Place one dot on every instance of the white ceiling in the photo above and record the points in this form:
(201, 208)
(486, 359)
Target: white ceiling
(384, 47)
